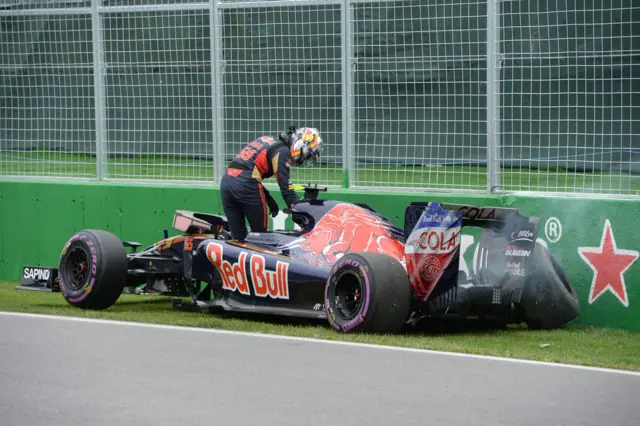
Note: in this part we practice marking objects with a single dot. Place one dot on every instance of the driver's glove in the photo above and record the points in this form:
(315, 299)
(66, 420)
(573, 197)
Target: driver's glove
(273, 206)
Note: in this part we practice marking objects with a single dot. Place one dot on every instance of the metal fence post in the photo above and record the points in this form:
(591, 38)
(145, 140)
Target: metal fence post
(494, 62)
(348, 154)
(217, 80)
(99, 76)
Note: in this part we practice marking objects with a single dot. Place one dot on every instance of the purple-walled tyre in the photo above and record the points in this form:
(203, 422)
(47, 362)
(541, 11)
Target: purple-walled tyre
(367, 292)
(92, 269)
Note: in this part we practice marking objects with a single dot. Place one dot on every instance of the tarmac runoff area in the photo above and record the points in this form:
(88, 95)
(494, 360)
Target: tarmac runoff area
(74, 371)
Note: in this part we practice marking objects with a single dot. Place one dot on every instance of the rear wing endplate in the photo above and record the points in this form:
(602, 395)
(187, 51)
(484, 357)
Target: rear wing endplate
(505, 248)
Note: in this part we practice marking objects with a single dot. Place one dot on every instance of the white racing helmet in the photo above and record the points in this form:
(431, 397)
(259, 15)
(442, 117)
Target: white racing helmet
(306, 146)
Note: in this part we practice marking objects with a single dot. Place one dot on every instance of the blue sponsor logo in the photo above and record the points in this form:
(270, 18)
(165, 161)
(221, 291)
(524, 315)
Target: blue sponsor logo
(436, 216)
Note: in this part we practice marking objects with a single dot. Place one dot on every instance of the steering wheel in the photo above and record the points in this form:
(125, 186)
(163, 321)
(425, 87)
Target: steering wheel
(310, 191)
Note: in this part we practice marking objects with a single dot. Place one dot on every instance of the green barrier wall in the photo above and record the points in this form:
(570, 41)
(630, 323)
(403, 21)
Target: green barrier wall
(37, 218)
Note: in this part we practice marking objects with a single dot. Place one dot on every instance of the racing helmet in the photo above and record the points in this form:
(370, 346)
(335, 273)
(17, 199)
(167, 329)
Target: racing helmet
(306, 146)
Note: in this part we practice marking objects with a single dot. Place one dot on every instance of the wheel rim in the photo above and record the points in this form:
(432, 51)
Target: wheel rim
(348, 295)
(76, 268)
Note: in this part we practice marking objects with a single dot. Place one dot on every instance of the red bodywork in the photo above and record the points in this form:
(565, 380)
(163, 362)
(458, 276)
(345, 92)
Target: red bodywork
(348, 228)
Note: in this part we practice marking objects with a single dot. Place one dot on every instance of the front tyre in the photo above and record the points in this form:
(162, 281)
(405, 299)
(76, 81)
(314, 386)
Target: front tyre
(367, 292)
(92, 269)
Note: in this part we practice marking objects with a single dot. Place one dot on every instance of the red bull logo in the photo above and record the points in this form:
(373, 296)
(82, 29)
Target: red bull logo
(347, 228)
(274, 284)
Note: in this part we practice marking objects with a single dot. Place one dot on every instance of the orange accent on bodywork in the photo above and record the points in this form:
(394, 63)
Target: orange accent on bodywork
(256, 248)
(164, 244)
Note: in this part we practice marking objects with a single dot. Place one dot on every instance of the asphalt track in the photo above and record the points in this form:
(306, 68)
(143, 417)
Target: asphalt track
(70, 372)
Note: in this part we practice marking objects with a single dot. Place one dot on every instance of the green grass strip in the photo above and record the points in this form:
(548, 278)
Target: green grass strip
(465, 177)
(609, 348)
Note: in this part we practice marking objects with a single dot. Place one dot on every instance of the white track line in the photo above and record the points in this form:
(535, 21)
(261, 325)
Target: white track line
(314, 340)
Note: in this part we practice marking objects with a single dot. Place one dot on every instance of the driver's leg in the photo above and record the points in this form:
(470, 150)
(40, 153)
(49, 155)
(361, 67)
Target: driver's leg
(255, 207)
(233, 211)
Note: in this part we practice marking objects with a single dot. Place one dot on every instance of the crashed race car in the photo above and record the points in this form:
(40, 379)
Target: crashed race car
(345, 263)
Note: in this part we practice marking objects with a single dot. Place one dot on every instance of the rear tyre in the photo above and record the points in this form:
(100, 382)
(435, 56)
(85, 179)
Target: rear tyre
(367, 292)
(549, 300)
(92, 269)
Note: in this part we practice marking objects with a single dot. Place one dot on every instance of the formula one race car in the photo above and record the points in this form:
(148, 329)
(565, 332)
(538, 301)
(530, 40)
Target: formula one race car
(345, 263)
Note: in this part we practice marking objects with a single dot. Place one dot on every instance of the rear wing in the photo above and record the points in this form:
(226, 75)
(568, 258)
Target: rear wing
(480, 216)
(433, 234)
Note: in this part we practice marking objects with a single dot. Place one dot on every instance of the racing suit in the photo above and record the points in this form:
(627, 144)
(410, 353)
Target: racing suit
(242, 192)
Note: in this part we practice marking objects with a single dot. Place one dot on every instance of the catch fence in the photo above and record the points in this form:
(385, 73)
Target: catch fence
(443, 95)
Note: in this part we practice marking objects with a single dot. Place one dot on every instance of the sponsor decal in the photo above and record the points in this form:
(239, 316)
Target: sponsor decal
(516, 251)
(274, 284)
(37, 274)
(473, 212)
(433, 241)
(553, 229)
(431, 269)
(523, 235)
(608, 263)
(431, 246)
(514, 269)
(318, 306)
(351, 324)
(471, 263)
(350, 262)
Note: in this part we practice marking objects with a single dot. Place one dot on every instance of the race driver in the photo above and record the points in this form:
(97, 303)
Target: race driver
(242, 192)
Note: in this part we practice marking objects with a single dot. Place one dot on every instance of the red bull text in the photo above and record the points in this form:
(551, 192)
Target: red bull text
(274, 284)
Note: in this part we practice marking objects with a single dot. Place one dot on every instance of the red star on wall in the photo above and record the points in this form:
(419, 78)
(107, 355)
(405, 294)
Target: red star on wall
(608, 264)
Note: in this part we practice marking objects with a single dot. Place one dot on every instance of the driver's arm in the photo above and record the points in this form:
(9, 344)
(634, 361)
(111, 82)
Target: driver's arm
(281, 169)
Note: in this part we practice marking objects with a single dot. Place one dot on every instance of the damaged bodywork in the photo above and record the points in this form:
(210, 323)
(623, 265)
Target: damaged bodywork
(345, 263)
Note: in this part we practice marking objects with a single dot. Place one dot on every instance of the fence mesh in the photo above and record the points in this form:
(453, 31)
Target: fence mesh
(420, 94)
(47, 100)
(282, 66)
(568, 85)
(158, 95)
(43, 5)
(570, 116)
